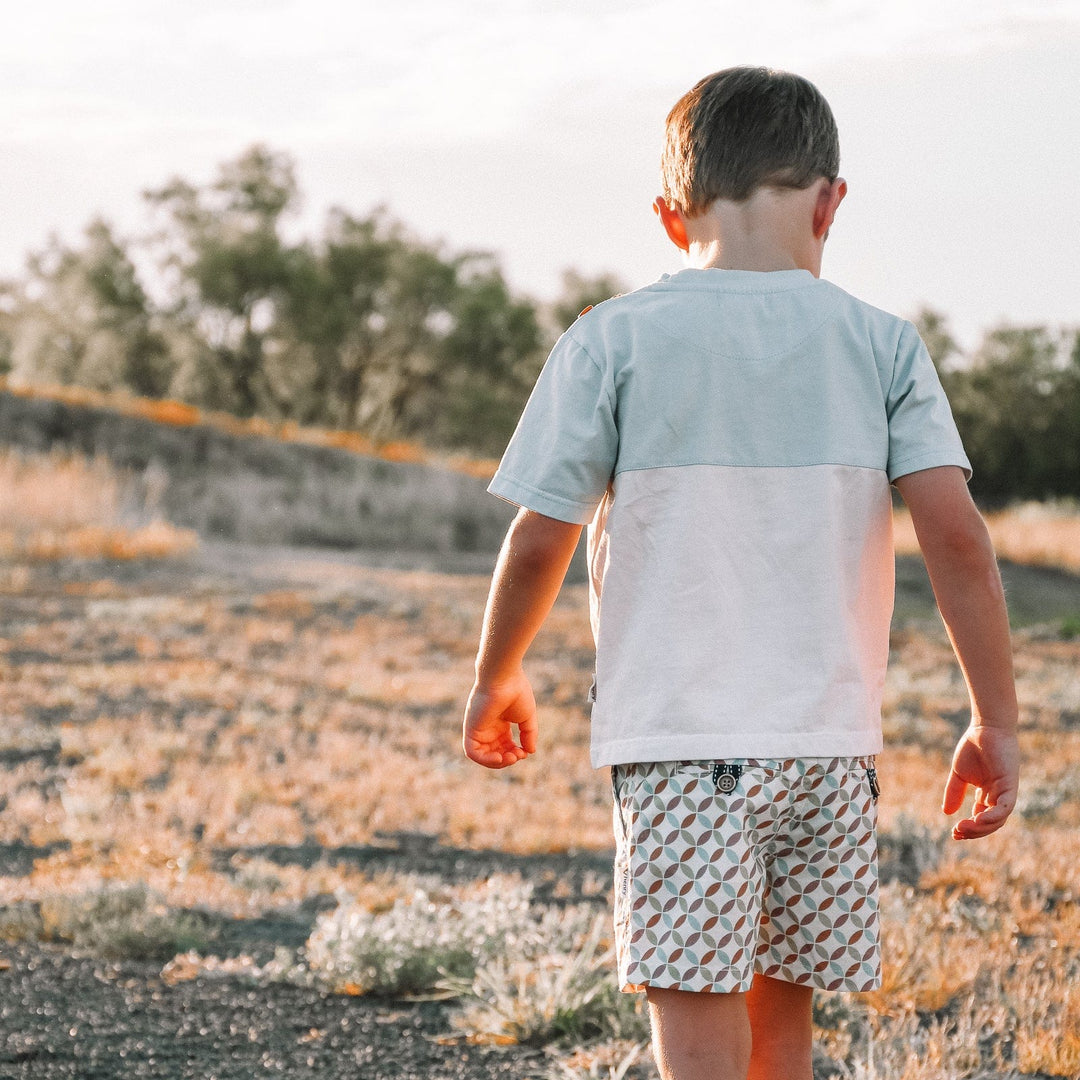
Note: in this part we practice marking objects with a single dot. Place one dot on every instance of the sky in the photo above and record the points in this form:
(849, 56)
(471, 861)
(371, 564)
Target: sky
(532, 128)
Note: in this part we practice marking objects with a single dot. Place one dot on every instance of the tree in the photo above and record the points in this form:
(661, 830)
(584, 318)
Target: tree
(334, 312)
(229, 268)
(487, 360)
(580, 291)
(933, 329)
(9, 302)
(82, 316)
(412, 315)
(403, 339)
(1017, 405)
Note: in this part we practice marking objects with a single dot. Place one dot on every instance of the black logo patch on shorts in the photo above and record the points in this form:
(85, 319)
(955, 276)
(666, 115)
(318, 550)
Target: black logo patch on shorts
(726, 776)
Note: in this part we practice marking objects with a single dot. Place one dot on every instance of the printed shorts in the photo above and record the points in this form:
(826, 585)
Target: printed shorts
(773, 870)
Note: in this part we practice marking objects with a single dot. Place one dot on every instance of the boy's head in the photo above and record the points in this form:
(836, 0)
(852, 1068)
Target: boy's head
(742, 129)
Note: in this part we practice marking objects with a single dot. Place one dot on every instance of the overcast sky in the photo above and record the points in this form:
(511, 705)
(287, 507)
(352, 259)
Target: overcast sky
(533, 127)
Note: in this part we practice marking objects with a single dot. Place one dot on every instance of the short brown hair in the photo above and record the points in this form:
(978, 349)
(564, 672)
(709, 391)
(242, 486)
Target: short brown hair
(745, 128)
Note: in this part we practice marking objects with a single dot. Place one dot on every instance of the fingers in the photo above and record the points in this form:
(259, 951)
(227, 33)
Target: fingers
(983, 823)
(955, 789)
(986, 760)
(991, 807)
(492, 758)
(495, 750)
(990, 811)
(488, 729)
(528, 730)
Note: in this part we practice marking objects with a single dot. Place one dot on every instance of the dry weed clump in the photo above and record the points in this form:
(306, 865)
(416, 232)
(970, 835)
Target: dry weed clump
(564, 991)
(118, 922)
(523, 972)
(58, 506)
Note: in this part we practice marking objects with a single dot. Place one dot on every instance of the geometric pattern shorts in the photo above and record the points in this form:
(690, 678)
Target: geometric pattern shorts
(777, 875)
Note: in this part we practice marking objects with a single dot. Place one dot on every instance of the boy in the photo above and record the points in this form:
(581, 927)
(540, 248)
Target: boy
(730, 434)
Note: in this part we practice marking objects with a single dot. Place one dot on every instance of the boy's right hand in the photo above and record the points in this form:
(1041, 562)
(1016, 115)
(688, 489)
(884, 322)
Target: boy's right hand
(988, 759)
(490, 716)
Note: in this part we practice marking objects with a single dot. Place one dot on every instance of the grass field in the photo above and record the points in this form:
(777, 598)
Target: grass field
(65, 506)
(184, 744)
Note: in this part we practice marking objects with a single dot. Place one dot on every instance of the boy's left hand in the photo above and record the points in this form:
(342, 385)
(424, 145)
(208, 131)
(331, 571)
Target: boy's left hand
(987, 759)
(490, 716)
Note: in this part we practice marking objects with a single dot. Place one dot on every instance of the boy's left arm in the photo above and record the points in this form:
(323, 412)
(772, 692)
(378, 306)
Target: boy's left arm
(532, 564)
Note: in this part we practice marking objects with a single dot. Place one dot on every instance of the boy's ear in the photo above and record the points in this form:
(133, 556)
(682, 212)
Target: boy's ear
(830, 195)
(673, 223)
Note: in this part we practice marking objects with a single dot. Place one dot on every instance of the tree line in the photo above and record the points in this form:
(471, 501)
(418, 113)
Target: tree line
(1016, 400)
(365, 327)
(368, 327)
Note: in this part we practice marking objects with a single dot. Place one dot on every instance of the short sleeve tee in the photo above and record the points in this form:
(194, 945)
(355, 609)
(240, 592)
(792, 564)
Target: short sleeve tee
(730, 438)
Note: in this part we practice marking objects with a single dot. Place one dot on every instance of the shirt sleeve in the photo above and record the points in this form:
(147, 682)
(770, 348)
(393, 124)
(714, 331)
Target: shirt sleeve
(922, 432)
(561, 457)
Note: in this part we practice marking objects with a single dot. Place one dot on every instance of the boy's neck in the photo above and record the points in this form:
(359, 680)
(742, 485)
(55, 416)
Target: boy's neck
(771, 230)
(763, 258)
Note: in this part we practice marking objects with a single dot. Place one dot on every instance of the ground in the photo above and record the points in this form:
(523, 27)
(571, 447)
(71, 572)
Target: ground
(253, 734)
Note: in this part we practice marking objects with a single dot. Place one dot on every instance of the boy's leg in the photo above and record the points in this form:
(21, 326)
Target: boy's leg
(765, 1034)
(699, 1036)
(781, 1019)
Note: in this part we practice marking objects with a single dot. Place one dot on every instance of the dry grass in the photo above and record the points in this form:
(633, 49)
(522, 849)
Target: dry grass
(1037, 534)
(152, 726)
(150, 729)
(295, 716)
(57, 506)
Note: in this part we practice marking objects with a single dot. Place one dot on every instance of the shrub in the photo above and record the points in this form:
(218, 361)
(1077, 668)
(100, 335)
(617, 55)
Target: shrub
(118, 922)
(566, 994)
(527, 973)
(412, 946)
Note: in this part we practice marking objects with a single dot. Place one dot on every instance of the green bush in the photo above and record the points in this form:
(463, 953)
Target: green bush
(412, 946)
(123, 922)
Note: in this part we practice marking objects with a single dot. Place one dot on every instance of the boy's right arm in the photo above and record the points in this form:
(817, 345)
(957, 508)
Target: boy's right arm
(963, 571)
(532, 564)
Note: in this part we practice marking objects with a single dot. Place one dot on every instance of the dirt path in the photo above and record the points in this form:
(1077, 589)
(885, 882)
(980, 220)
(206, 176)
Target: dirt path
(82, 1018)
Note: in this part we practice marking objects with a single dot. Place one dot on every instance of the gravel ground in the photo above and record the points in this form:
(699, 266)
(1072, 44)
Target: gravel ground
(83, 1017)
(61, 1016)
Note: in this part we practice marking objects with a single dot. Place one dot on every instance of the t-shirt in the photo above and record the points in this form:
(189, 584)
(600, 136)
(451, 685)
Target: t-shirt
(730, 436)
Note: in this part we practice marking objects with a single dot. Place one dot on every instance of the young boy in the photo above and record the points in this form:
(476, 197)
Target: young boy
(730, 434)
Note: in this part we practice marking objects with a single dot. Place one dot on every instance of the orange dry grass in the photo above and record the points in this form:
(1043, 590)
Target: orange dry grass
(300, 720)
(59, 506)
(180, 414)
(1033, 533)
(152, 725)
